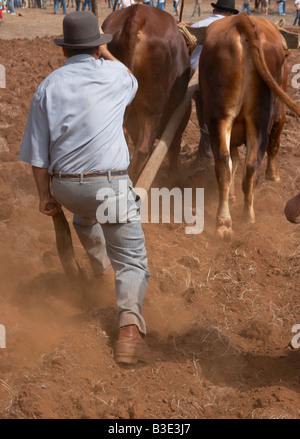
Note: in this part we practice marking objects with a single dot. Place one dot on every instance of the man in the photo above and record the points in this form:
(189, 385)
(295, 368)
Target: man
(222, 8)
(161, 4)
(11, 7)
(122, 4)
(175, 7)
(56, 5)
(280, 5)
(87, 3)
(74, 133)
(245, 6)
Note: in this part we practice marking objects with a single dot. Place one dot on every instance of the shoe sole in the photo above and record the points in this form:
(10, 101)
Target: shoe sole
(132, 359)
(127, 360)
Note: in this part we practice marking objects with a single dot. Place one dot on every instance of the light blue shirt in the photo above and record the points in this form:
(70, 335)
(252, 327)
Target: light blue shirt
(75, 121)
(194, 59)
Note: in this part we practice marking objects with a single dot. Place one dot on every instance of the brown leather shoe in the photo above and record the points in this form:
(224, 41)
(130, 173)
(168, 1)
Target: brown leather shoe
(131, 348)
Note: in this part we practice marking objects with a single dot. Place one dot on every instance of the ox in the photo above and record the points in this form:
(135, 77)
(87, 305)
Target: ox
(242, 78)
(149, 43)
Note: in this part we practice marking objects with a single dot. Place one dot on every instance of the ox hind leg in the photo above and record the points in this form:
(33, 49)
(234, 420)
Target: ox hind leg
(273, 147)
(220, 144)
(147, 130)
(256, 146)
(234, 153)
(204, 149)
(175, 146)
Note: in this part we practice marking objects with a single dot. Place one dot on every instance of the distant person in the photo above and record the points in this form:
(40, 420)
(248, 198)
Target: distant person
(265, 6)
(1, 8)
(11, 7)
(87, 3)
(147, 2)
(283, 7)
(280, 7)
(297, 6)
(56, 5)
(176, 7)
(222, 8)
(161, 4)
(122, 4)
(246, 6)
(78, 3)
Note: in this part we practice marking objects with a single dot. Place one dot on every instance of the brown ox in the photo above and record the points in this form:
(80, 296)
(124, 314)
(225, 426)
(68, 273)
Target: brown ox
(242, 75)
(149, 43)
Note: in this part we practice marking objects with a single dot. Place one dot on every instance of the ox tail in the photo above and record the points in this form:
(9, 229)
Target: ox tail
(133, 25)
(249, 27)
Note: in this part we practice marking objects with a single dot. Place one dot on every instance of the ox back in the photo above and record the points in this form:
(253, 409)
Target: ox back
(242, 78)
(149, 43)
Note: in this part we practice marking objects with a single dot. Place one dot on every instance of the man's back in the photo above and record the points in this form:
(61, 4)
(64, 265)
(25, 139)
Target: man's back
(81, 107)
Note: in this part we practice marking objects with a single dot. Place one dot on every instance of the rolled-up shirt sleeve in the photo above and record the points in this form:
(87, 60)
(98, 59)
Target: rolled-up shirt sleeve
(132, 87)
(128, 83)
(36, 139)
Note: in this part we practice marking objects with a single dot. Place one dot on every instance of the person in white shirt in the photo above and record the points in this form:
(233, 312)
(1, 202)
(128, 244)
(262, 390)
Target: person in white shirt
(222, 8)
(125, 3)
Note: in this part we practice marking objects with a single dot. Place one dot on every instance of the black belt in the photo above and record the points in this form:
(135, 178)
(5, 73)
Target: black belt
(91, 174)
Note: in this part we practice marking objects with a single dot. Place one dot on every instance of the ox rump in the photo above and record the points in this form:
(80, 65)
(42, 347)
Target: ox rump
(291, 38)
(242, 98)
(148, 41)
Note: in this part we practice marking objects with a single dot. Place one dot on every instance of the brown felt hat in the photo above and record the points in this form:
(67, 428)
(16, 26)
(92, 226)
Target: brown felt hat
(81, 30)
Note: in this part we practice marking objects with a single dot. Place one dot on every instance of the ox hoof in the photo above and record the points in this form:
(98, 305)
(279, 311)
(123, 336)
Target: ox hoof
(248, 218)
(272, 177)
(224, 232)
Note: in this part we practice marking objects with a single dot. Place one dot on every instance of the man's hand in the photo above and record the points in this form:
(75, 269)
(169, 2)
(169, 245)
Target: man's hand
(105, 53)
(48, 205)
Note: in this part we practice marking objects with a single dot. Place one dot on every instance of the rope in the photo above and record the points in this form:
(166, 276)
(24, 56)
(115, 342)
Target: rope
(191, 39)
(280, 25)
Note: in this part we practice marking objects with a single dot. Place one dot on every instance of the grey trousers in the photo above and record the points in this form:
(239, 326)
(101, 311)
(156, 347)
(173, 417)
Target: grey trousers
(120, 242)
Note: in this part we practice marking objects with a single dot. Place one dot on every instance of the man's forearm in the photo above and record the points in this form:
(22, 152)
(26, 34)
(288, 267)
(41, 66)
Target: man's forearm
(105, 53)
(42, 179)
(48, 205)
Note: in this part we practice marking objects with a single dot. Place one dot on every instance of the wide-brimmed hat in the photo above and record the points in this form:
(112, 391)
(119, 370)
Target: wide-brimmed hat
(81, 30)
(226, 5)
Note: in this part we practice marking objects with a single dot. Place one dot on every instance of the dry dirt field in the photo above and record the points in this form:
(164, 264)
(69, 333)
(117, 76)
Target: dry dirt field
(221, 313)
